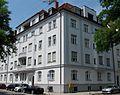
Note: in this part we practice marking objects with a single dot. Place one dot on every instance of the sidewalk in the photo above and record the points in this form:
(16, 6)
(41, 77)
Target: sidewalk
(78, 93)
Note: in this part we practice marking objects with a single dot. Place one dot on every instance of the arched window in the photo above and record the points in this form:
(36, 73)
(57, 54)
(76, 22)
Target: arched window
(11, 77)
(39, 75)
(5, 77)
(51, 75)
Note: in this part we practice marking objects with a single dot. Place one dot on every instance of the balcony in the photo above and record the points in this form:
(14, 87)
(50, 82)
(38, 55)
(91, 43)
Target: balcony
(21, 67)
(22, 55)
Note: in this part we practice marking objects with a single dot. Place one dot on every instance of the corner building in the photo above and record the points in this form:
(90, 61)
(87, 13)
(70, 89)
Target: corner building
(55, 49)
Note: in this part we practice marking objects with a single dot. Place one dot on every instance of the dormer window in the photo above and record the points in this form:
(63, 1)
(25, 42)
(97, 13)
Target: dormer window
(33, 21)
(90, 16)
(41, 16)
(26, 26)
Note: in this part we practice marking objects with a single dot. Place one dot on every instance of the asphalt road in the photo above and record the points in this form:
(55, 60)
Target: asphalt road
(5, 92)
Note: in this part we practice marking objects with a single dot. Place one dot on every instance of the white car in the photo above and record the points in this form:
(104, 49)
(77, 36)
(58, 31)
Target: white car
(21, 87)
(111, 89)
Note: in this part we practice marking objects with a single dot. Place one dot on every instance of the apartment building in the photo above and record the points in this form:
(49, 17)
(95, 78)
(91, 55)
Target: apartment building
(55, 49)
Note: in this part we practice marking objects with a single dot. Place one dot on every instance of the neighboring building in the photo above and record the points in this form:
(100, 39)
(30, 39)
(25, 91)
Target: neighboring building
(56, 49)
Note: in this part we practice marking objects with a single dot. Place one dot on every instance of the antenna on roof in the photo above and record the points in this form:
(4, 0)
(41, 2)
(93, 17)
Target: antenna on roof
(51, 1)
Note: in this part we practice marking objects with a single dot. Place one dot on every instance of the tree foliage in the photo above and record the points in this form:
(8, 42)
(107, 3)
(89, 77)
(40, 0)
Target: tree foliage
(109, 34)
(7, 37)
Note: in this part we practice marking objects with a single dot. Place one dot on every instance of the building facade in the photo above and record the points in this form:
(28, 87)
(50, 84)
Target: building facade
(56, 49)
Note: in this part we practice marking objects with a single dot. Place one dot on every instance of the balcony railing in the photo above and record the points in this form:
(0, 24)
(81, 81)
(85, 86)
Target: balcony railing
(22, 55)
(21, 67)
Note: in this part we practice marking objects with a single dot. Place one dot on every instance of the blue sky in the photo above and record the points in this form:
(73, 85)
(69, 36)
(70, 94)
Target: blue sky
(23, 9)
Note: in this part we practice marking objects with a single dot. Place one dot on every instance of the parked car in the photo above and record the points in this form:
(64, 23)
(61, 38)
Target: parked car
(111, 89)
(33, 90)
(2, 86)
(11, 87)
(21, 87)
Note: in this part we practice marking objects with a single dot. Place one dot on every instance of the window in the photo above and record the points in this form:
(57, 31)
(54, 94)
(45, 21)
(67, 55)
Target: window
(108, 76)
(73, 23)
(40, 30)
(73, 39)
(49, 26)
(39, 75)
(74, 75)
(23, 77)
(49, 41)
(108, 62)
(11, 55)
(35, 48)
(117, 52)
(1, 67)
(49, 57)
(26, 36)
(87, 44)
(54, 39)
(11, 77)
(25, 48)
(94, 47)
(118, 64)
(51, 75)
(1, 77)
(16, 52)
(100, 60)
(90, 16)
(74, 56)
(33, 21)
(34, 61)
(15, 64)
(54, 23)
(87, 76)
(5, 66)
(29, 61)
(32, 33)
(94, 60)
(87, 58)
(30, 47)
(24, 39)
(86, 28)
(40, 59)
(40, 45)
(16, 77)
(99, 76)
(54, 56)
(5, 77)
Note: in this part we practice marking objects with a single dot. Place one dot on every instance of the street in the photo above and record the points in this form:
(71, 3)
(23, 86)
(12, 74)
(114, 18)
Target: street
(5, 92)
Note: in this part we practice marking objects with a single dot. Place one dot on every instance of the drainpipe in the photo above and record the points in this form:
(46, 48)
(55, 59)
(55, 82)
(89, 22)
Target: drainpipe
(60, 51)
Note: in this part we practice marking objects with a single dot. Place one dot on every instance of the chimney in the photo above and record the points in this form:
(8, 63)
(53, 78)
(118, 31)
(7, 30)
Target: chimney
(56, 4)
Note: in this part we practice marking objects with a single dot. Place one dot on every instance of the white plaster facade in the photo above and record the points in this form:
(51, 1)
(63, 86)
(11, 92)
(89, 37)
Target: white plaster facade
(59, 44)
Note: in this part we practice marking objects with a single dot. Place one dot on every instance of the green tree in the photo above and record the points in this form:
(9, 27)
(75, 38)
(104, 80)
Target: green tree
(7, 36)
(109, 34)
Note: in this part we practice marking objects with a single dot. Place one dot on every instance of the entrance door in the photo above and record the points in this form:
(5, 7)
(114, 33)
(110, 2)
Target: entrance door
(31, 78)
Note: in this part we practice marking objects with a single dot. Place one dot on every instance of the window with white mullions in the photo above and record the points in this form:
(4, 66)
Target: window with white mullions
(73, 39)
(74, 74)
(74, 56)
